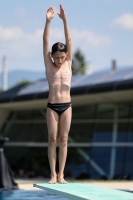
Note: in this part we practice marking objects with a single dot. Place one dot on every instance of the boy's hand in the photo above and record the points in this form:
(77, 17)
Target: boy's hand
(50, 13)
(62, 13)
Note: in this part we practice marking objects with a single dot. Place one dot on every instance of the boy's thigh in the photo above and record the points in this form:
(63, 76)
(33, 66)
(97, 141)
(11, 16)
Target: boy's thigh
(52, 121)
(65, 121)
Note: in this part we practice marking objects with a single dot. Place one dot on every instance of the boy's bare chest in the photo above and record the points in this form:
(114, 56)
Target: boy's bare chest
(55, 75)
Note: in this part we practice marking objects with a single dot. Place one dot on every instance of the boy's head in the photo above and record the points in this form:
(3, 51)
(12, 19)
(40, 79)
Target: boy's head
(59, 47)
(59, 53)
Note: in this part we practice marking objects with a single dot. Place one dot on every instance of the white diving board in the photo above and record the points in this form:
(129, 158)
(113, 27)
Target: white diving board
(78, 191)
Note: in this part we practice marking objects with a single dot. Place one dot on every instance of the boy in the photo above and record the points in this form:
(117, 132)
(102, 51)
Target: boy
(59, 111)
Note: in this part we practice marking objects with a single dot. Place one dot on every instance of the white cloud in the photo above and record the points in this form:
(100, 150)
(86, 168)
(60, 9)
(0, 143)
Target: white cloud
(84, 38)
(14, 41)
(15, 36)
(124, 22)
(21, 46)
(90, 39)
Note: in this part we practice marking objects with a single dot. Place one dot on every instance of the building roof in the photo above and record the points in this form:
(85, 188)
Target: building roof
(81, 84)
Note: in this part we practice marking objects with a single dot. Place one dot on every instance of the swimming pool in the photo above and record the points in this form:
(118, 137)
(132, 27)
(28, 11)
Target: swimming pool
(28, 195)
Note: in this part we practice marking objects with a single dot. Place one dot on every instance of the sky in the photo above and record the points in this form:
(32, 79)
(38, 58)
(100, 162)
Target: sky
(101, 29)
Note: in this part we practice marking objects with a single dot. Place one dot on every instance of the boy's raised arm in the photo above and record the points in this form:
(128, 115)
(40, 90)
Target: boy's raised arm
(62, 15)
(46, 52)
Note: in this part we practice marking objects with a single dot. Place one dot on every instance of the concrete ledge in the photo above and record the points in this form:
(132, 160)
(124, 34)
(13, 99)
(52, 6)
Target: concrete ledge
(122, 185)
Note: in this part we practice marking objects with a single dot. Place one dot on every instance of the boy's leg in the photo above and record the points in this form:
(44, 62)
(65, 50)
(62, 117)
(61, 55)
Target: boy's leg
(64, 127)
(52, 125)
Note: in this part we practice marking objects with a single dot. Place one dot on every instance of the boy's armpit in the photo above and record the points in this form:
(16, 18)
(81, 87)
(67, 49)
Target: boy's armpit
(48, 59)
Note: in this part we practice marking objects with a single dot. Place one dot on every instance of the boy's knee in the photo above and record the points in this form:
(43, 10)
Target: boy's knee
(53, 141)
(63, 140)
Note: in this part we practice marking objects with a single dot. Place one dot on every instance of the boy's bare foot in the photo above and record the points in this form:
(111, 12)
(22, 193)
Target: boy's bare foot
(61, 179)
(53, 180)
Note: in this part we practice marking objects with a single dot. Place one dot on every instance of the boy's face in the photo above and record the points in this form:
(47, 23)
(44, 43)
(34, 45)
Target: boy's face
(59, 58)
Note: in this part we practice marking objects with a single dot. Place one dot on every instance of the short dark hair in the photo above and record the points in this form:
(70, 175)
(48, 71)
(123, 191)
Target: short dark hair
(59, 47)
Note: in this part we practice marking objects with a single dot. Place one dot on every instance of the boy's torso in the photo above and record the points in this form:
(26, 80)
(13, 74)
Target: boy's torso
(59, 80)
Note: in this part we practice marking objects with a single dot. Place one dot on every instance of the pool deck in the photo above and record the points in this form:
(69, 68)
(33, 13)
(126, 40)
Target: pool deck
(121, 185)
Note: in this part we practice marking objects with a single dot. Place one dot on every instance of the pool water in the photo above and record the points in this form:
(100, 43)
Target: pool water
(28, 195)
(31, 195)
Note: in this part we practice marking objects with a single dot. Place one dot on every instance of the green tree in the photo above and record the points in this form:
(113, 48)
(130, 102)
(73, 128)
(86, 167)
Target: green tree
(0, 90)
(23, 81)
(79, 64)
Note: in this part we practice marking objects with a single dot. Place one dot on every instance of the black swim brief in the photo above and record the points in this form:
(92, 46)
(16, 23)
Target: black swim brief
(59, 108)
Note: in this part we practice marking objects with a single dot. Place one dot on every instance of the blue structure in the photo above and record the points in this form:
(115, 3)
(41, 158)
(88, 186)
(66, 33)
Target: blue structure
(101, 134)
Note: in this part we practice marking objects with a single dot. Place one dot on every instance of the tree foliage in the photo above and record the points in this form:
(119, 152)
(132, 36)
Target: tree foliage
(23, 81)
(79, 64)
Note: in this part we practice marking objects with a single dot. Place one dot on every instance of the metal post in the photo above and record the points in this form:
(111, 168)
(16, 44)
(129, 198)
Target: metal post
(4, 70)
(114, 139)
